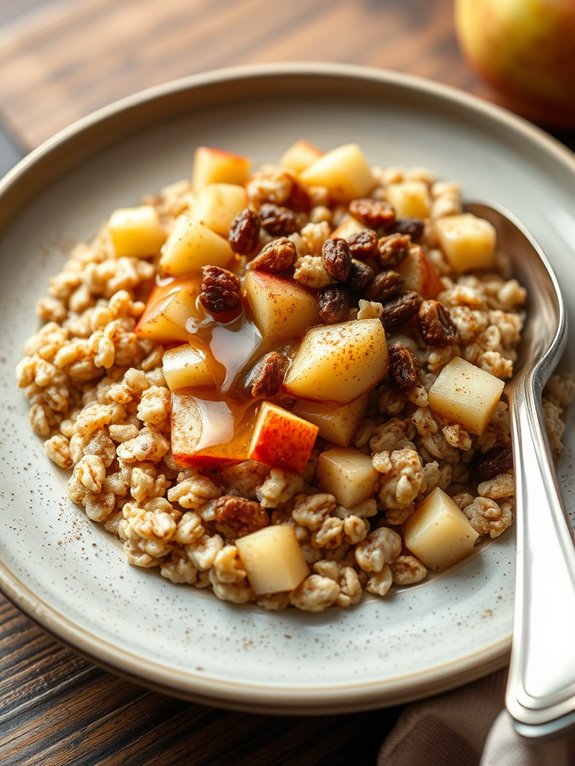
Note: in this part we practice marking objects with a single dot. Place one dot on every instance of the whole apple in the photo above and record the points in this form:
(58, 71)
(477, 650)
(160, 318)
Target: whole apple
(526, 50)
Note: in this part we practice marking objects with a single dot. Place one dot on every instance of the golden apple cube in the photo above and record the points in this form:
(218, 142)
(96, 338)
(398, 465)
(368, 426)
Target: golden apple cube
(300, 156)
(192, 245)
(466, 394)
(213, 165)
(438, 532)
(467, 241)
(282, 439)
(339, 362)
(168, 310)
(217, 205)
(209, 432)
(186, 366)
(348, 474)
(410, 199)
(347, 228)
(343, 170)
(136, 231)
(337, 422)
(273, 559)
(280, 307)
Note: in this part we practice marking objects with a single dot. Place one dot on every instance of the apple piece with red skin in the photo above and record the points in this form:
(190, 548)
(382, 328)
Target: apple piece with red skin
(213, 165)
(167, 310)
(419, 273)
(208, 432)
(525, 49)
(281, 439)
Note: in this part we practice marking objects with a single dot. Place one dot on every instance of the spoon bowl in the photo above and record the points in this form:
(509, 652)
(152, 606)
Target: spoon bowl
(541, 686)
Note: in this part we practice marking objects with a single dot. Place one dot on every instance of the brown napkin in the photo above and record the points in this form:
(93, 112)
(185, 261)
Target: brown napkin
(466, 727)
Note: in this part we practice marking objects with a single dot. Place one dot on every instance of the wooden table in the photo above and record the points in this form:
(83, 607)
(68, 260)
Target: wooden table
(59, 60)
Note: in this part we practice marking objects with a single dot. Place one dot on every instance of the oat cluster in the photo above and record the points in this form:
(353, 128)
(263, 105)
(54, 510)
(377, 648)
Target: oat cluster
(99, 401)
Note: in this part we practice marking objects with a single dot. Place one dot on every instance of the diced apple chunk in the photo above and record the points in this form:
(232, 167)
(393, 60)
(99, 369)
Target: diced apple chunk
(348, 474)
(438, 532)
(213, 165)
(282, 439)
(343, 170)
(467, 241)
(419, 273)
(410, 199)
(209, 433)
(466, 394)
(168, 309)
(136, 231)
(192, 245)
(337, 422)
(300, 156)
(217, 205)
(273, 559)
(339, 362)
(347, 228)
(186, 366)
(281, 308)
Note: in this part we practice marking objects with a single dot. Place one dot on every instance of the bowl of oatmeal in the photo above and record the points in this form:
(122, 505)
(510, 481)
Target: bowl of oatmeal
(261, 450)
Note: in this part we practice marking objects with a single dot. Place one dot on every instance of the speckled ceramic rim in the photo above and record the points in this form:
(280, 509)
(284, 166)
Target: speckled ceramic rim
(157, 105)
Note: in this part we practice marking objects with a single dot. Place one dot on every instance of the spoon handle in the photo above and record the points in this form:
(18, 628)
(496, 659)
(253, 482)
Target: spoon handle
(541, 686)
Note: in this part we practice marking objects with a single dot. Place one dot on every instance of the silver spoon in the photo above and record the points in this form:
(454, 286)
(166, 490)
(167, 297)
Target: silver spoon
(541, 686)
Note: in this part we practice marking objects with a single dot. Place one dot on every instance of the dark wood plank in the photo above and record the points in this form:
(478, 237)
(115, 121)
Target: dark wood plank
(57, 708)
(51, 77)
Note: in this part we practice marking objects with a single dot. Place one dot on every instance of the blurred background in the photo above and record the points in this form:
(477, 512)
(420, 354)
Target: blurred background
(60, 59)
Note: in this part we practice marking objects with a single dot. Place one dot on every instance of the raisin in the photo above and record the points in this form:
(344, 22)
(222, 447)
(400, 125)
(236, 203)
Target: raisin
(336, 258)
(412, 227)
(298, 198)
(374, 213)
(333, 302)
(221, 290)
(267, 376)
(245, 231)
(393, 249)
(237, 516)
(400, 309)
(491, 463)
(277, 220)
(403, 366)
(363, 244)
(278, 255)
(436, 325)
(385, 286)
(359, 277)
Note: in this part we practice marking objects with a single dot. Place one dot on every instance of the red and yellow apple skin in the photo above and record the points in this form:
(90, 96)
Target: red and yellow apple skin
(525, 49)
(281, 439)
(208, 432)
(420, 274)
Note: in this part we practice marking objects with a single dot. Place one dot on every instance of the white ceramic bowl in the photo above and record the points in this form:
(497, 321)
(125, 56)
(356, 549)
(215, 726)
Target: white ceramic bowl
(72, 578)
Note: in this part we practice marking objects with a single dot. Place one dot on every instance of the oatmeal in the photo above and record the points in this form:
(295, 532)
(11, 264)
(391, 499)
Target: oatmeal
(286, 384)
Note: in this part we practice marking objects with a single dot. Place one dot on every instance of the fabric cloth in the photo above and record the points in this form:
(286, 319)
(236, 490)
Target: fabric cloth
(467, 727)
